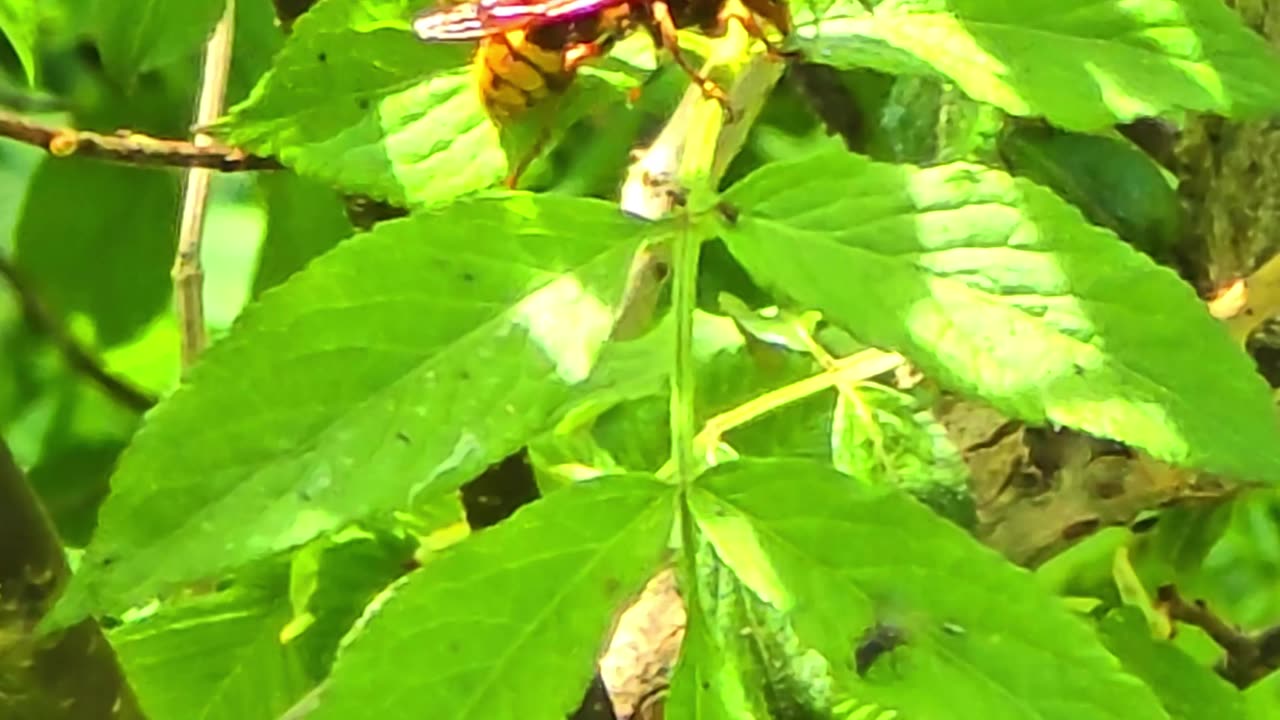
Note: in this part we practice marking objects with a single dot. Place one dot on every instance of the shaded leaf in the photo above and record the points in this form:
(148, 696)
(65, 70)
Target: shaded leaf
(1188, 690)
(1114, 184)
(139, 35)
(331, 582)
(304, 220)
(258, 37)
(19, 22)
(71, 483)
(76, 255)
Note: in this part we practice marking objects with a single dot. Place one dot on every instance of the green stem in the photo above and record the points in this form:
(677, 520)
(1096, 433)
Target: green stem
(684, 294)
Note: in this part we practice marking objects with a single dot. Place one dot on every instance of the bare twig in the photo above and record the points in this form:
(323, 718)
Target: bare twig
(81, 360)
(130, 148)
(188, 275)
(1249, 657)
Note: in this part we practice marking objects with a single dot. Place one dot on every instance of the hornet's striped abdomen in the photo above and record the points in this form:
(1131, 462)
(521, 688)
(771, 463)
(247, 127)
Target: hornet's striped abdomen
(517, 69)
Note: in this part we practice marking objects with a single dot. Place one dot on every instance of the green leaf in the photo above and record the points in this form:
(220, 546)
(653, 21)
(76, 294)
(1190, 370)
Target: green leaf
(732, 370)
(215, 657)
(978, 637)
(881, 433)
(71, 482)
(394, 368)
(708, 680)
(740, 657)
(75, 254)
(1083, 67)
(19, 22)
(508, 623)
(304, 220)
(1114, 184)
(355, 99)
(135, 36)
(997, 288)
(332, 581)
(1188, 690)
(258, 37)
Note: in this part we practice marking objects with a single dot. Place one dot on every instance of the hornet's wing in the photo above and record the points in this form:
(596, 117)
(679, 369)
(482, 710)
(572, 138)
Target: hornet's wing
(486, 18)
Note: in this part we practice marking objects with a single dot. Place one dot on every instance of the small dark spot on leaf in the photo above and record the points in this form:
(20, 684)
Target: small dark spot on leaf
(661, 271)
(706, 684)
(1081, 528)
(1077, 368)
(107, 561)
(323, 57)
(468, 277)
(611, 586)
(362, 103)
(728, 212)
(876, 641)
(464, 375)
(403, 437)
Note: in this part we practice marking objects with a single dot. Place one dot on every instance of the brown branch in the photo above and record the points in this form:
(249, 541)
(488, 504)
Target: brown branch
(72, 675)
(131, 148)
(1249, 657)
(43, 323)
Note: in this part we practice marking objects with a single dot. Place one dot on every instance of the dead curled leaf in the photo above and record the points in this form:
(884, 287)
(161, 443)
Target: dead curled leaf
(1039, 491)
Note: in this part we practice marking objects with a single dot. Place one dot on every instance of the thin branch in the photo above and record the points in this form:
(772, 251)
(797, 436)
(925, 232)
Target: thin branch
(1249, 657)
(72, 674)
(188, 275)
(130, 148)
(43, 323)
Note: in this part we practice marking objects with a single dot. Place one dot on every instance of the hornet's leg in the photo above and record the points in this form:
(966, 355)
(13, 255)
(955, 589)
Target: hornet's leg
(750, 22)
(670, 40)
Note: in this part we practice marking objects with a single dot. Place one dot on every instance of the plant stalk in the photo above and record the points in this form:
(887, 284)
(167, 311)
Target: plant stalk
(684, 299)
(188, 273)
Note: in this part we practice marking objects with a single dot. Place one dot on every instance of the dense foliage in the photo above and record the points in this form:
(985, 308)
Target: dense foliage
(789, 424)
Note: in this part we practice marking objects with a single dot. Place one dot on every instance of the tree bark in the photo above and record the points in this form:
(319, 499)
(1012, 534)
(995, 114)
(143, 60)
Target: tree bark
(72, 674)
(1230, 184)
